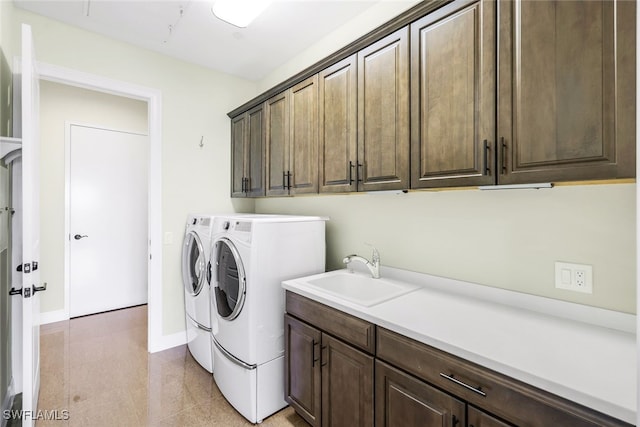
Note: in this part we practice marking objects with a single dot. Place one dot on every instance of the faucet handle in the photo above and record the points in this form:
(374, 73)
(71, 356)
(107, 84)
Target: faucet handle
(375, 257)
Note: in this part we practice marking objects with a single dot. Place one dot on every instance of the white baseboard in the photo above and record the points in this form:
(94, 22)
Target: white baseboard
(53, 316)
(164, 342)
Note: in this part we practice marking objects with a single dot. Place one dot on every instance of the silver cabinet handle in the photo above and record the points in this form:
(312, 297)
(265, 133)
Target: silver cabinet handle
(467, 386)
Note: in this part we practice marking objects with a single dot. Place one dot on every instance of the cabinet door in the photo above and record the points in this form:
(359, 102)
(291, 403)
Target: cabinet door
(277, 141)
(478, 418)
(383, 113)
(255, 150)
(302, 369)
(303, 159)
(404, 401)
(453, 96)
(347, 385)
(566, 107)
(238, 139)
(338, 122)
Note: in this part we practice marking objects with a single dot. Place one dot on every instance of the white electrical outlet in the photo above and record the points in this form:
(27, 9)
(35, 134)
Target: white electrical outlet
(574, 277)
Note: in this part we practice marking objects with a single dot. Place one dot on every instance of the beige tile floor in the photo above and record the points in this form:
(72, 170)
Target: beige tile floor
(97, 368)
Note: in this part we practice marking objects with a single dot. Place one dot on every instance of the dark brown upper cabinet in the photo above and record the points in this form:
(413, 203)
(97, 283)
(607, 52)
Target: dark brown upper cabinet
(383, 114)
(277, 142)
(247, 153)
(453, 96)
(303, 159)
(338, 122)
(461, 93)
(566, 90)
(292, 140)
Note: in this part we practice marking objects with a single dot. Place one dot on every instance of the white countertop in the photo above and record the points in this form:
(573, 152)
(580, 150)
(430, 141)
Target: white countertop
(584, 354)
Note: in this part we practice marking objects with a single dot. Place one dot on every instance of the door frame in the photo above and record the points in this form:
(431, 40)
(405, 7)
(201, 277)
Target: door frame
(67, 201)
(156, 340)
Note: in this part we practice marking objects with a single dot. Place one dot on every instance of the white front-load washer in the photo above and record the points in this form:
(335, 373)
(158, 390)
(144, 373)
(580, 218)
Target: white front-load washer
(195, 257)
(250, 258)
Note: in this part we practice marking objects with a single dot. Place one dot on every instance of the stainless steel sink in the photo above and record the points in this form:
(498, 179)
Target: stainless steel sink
(359, 288)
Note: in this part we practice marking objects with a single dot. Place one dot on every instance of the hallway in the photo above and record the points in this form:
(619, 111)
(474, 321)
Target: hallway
(97, 368)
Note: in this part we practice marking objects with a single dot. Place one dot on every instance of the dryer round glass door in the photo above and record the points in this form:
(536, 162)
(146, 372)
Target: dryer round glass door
(230, 280)
(193, 264)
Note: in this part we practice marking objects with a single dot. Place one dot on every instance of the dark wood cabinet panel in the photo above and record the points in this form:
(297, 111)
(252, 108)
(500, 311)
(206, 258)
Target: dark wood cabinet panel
(566, 109)
(503, 396)
(302, 369)
(292, 140)
(238, 142)
(453, 96)
(383, 113)
(247, 153)
(357, 332)
(277, 141)
(478, 418)
(403, 401)
(338, 127)
(327, 381)
(347, 385)
(303, 158)
(255, 150)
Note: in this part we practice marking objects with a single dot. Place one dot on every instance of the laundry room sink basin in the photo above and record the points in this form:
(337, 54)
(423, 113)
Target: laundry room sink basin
(359, 288)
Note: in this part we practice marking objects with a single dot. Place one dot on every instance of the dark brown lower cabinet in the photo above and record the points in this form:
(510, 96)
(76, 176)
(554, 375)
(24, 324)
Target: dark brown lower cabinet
(480, 388)
(328, 382)
(330, 358)
(347, 385)
(404, 401)
(302, 370)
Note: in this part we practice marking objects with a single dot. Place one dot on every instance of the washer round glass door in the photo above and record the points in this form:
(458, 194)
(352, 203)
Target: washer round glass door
(193, 263)
(230, 286)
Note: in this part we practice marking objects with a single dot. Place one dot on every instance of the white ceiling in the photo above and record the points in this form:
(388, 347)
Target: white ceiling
(189, 31)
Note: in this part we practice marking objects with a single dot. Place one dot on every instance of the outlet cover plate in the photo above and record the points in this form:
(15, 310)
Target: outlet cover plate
(574, 277)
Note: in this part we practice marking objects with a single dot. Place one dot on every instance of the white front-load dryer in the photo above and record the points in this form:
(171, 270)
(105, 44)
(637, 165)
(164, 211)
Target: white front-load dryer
(195, 258)
(251, 256)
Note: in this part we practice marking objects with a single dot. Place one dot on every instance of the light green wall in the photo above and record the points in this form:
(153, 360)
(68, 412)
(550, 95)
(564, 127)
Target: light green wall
(507, 239)
(195, 101)
(59, 104)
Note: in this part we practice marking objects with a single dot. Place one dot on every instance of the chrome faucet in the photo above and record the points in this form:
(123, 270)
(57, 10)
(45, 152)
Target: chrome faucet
(373, 265)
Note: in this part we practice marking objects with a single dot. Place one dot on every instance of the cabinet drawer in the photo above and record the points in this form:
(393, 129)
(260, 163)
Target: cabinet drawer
(510, 399)
(356, 332)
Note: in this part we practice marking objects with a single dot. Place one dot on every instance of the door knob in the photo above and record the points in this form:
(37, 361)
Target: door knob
(78, 236)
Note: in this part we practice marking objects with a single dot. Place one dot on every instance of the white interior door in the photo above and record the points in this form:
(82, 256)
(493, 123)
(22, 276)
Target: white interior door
(30, 231)
(108, 219)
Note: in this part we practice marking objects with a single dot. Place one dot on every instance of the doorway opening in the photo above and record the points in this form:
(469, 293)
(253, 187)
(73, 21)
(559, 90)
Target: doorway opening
(152, 98)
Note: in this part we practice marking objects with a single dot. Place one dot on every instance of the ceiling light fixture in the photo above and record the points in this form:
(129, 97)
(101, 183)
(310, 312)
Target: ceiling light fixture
(239, 12)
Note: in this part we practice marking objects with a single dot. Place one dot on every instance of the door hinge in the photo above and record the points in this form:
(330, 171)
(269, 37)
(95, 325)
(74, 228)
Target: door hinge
(26, 268)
